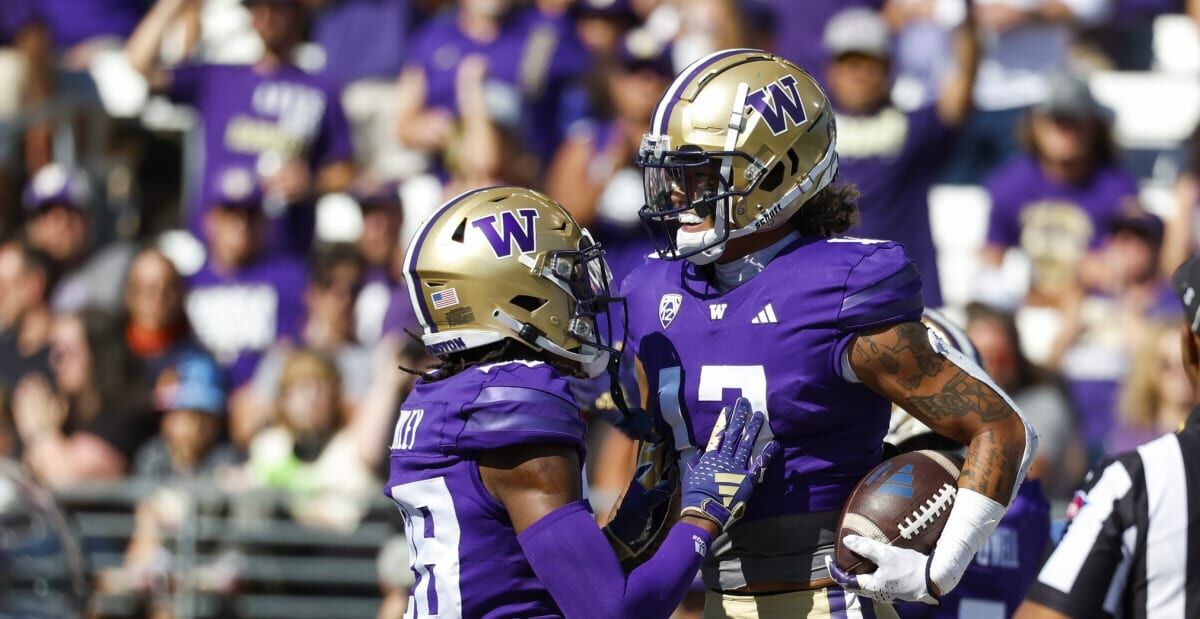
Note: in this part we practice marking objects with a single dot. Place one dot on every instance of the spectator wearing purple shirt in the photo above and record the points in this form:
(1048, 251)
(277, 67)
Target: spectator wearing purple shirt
(530, 59)
(893, 156)
(243, 299)
(800, 29)
(270, 116)
(382, 306)
(1056, 202)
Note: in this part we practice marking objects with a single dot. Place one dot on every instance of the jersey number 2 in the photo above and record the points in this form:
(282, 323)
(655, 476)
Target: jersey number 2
(749, 380)
(431, 526)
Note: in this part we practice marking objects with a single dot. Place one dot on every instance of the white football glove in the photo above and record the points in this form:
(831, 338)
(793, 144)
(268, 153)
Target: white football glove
(901, 575)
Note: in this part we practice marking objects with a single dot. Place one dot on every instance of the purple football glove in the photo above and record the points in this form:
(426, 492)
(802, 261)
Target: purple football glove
(719, 480)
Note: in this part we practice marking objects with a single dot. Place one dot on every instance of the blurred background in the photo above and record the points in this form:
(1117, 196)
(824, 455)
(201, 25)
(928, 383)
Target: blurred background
(204, 206)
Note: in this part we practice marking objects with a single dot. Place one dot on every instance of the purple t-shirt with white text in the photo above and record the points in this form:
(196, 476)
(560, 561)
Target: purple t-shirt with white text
(893, 158)
(466, 556)
(249, 111)
(1032, 211)
(239, 315)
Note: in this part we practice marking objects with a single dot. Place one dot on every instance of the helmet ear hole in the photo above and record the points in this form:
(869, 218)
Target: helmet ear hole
(773, 178)
(527, 302)
(795, 159)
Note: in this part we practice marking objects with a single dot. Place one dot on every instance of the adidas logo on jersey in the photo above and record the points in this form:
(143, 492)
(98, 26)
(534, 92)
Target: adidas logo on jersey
(766, 316)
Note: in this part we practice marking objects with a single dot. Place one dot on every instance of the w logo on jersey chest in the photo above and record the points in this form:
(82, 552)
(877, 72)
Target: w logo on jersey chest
(716, 311)
(777, 103)
(509, 229)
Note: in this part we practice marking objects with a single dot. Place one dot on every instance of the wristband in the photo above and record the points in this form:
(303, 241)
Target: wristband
(971, 521)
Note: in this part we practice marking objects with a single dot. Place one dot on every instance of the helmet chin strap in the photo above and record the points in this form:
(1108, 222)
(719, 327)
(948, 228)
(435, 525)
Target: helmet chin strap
(688, 241)
(591, 360)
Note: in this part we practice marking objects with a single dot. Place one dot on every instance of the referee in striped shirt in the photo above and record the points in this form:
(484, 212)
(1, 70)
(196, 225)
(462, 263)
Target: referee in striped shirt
(1132, 549)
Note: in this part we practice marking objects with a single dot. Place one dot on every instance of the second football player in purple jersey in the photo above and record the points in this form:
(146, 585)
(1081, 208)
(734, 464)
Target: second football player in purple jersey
(487, 455)
(756, 294)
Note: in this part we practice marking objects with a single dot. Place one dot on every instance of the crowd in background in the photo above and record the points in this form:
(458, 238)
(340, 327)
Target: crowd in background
(193, 305)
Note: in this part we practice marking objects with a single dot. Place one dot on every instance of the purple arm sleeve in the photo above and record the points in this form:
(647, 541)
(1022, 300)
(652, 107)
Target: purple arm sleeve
(572, 559)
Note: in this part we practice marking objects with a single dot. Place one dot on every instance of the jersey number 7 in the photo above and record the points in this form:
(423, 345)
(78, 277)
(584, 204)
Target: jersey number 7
(750, 381)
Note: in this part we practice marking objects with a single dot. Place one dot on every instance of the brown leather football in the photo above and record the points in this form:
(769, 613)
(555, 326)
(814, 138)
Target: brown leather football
(903, 502)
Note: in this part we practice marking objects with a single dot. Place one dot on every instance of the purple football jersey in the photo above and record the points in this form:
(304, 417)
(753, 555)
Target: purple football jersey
(893, 158)
(248, 112)
(464, 552)
(778, 340)
(995, 582)
(238, 315)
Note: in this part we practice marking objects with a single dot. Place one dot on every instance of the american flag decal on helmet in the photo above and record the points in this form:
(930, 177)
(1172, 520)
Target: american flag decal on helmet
(444, 298)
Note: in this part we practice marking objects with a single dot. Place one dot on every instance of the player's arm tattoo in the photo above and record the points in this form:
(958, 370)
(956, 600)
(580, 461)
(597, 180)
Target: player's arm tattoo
(899, 363)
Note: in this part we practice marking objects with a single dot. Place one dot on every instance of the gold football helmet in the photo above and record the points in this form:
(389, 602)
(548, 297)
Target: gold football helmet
(508, 262)
(742, 135)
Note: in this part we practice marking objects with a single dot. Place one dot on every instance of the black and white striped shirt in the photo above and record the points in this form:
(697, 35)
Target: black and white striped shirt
(1132, 549)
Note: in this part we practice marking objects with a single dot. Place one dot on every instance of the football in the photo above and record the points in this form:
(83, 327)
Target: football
(903, 502)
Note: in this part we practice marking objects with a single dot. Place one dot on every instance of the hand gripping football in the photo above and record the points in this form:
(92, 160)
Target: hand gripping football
(904, 502)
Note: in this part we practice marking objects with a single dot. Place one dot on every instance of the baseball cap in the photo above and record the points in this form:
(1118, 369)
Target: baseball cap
(57, 184)
(613, 9)
(641, 49)
(192, 383)
(1070, 97)
(1148, 225)
(371, 193)
(237, 188)
(858, 31)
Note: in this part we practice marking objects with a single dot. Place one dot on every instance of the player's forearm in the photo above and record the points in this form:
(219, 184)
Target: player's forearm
(994, 459)
(574, 562)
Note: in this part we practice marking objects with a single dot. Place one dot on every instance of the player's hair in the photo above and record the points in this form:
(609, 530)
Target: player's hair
(833, 210)
(498, 352)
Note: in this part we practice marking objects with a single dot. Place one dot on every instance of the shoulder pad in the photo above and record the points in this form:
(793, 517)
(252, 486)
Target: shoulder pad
(520, 403)
(884, 287)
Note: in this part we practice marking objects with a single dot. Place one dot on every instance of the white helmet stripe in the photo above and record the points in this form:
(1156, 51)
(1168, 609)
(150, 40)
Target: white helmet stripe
(413, 282)
(662, 112)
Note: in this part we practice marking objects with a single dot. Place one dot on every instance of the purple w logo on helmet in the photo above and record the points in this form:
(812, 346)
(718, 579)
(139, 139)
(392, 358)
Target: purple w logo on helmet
(510, 230)
(777, 102)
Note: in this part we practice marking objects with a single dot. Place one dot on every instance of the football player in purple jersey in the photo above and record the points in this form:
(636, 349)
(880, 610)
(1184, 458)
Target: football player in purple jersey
(755, 293)
(487, 454)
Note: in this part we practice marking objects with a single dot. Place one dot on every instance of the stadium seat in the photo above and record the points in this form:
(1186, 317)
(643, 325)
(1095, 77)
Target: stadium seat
(1152, 110)
(1176, 44)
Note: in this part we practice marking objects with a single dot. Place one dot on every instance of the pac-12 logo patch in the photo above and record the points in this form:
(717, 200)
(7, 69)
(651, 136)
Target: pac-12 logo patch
(668, 308)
